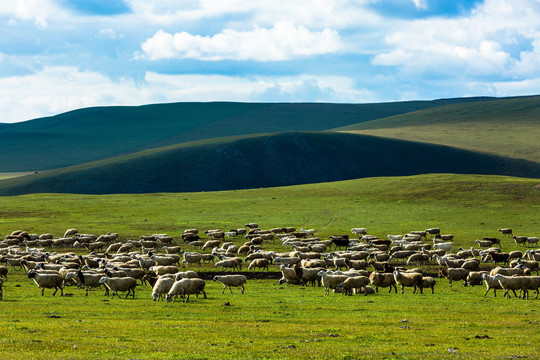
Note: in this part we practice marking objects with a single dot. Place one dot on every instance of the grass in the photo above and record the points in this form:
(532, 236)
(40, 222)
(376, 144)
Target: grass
(507, 127)
(9, 175)
(271, 321)
(102, 132)
(469, 206)
(263, 161)
(267, 322)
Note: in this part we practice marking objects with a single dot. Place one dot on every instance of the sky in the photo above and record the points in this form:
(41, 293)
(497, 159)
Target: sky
(60, 55)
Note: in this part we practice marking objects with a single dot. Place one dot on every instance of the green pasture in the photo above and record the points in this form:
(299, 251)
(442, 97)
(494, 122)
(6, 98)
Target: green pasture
(272, 321)
(269, 321)
(468, 206)
(508, 127)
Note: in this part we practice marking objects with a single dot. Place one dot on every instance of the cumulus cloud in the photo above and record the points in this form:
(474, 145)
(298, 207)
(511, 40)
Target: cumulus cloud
(475, 46)
(37, 11)
(53, 90)
(282, 42)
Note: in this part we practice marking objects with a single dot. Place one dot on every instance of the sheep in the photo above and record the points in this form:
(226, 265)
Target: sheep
(520, 271)
(330, 281)
(165, 260)
(419, 258)
(484, 243)
(309, 232)
(172, 249)
(491, 283)
(471, 264)
(534, 284)
(359, 231)
(383, 280)
(192, 258)
(210, 244)
(70, 232)
(2, 291)
(352, 284)
(433, 231)
(531, 255)
(287, 261)
(48, 281)
(259, 263)
(186, 287)
(514, 283)
(448, 246)
(454, 274)
(162, 286)
(519, 240)
(444, 237)
(497, 257)
(428, 282)
(252, 225)
(162, 270)
(531, 265)
(401, 254)
(230, 281)
(505, 231)
(475, 277)
(309, 275)
(408, 279)
(290, 275)
(145, 263)
(532, 240)
(89, 280)
(120, 284)
(229, 263)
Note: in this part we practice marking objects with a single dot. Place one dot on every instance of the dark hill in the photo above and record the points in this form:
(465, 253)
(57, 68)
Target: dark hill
(97, 133)
(265, 161)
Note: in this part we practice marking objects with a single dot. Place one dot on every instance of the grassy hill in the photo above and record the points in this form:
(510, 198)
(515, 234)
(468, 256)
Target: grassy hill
(98, 133)
(264, 161)
(508, 127)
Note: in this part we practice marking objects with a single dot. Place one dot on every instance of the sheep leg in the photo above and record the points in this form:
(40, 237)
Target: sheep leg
(224, 287)
(42, 291)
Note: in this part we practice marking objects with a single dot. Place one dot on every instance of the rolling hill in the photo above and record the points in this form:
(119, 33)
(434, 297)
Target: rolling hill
(264, 161)
(508, 127)
(98, 133)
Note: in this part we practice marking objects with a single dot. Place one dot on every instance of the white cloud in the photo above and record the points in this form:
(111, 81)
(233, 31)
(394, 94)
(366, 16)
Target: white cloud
(282, 42)
(475, 46)
(37, 11)
(54, 90)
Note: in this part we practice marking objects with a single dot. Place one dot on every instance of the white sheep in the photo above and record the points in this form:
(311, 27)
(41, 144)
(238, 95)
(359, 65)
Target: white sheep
(514, 283)
(491, 283)
(233, 264)
(185, 287)
(162, 286)
(429, 282)
(289, 275)
(47, 281)
(408, 279)
(186, 275)
(359, 231)
(231, 280)
(192, 258)
(162, 270)
(383, 280)
(259, 263)
(330, 281)
(447, 246)
(120, 284)
(309, 232)
(353, 284)
(89, 280)
(287, 261)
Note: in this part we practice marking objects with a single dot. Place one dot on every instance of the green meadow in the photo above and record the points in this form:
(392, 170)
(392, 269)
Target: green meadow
(272, 321)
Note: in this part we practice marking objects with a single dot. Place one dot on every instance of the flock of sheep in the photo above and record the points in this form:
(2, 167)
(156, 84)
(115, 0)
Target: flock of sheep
(339, 263)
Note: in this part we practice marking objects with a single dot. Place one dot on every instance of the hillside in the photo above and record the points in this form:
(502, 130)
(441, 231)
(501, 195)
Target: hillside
(508, 127)
(264, 161)
(97, 133)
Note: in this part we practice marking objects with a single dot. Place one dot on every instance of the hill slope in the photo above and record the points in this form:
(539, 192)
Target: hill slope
(102, 132)
(264, 161)
(508, 127)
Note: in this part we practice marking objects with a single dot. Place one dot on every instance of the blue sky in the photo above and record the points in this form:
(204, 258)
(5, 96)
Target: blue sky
(59, 55)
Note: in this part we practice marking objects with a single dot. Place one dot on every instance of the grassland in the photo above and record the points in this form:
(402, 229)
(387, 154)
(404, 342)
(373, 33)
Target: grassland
(261, 161)
(271, 321)
(9, 175)
(508, 127)
(98, 133)
(469, 206)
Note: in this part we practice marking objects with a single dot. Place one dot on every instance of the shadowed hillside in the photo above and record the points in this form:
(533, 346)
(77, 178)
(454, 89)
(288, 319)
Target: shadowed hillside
(507, 127)
(97, 133)
(265, 161)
